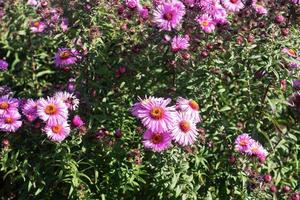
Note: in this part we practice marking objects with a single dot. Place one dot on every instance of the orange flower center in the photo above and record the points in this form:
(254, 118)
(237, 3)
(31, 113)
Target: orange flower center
(9, 120)
(185, 126)
(156, 138)
(157, 113)
(194, 105)
(168, 16)
(254, 150)
(50, 109)
(243, 142)
(36, 24)
(56, 129)
(65, 54)
(4, 105)
(205, 23)
(292, 52)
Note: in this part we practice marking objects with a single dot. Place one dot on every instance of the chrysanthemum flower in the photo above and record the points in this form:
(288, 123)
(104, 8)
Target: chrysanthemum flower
(168, 15)
(29, 109)
(189, 106)
(157, 141)
(290, 52)
(69, 99)
(38, 27)
(184, 130)
(233, 5)
(243, 143)
(206, 23)
(154, 114)
(8, 104)
(65, 57)
(3, 65)
(179, 43)
(10, 122)
(57, 131)
(52, 110)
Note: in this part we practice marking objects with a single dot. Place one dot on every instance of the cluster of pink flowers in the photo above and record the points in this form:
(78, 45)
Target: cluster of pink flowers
(245, 144)
(165, 123)
(53, 111)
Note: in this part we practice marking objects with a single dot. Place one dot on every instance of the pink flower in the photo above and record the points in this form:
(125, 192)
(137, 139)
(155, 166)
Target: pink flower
(189, 106)
(206, 23)
(219, 16)
(29, 109)
(57, 131)
(32, 2)
(257, 150)
(179, 43)
(168, 15)
(259, 9)
(295, 1)
(10, 122)
(154, 114)
(143, 12)
(290, 52)
(243, 143)
(65, 57)
(77, 121)
(233, 5)
(38, 27)
(64, 24)
(52, 110)
(184, 130)
(132, 4)
(69, 99)
(8, 104)
(157, 141)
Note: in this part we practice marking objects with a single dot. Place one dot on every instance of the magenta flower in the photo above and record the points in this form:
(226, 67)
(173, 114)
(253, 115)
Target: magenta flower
(10, 122)
(140, 105)
(132, 4)
(143, 12)
(52, 110)
(157, 141)
(38, 27)
(206, 23)
(189, 106)
(3, 65)
(257, 150)
(64, 24)
(8, 104)
(65, 57)
(57, 131)
(179, 43)
(69, 99)
(290, 52)
(233, 5)
(168, 15)
(184, 130)
(77, 121)
(259, 9)
(154, 114)
(243, 143)
(219, 15)
(29, 109)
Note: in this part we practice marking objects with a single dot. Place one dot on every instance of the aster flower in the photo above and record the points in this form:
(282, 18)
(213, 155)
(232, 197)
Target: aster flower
(157, 141)
(132, 4)
(259, 9)
(179, 43)
(10, 122)
(233, 5)
(69, 99)
(29, 109)
(243, 143)
(140, 105)
(206, 23)
(290, 52)
(184, 130)
(168, 15)
(38, 27)
(8, 104)
(3, 65)
(154, 114)
(65, 57)
(219, 15)
(52, 110)
(189, 106)
(57, 131)
(257, 150)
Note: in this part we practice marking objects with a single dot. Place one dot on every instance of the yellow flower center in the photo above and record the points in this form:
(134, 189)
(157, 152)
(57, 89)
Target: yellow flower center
(157, 113)
(9, 120)
(205, 23)
(65, 54)
(292, 52)
(4, 105)
(194, 105)
(244, 142)
(185, 126)
(56, 129)
(50, 109)
(36, 24)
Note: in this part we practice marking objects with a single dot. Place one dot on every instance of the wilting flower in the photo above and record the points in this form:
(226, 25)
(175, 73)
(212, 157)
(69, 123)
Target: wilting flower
(38, 27)
(8, 104)
(3, 65)
(69, 99)
(296, 84)
(206, 23)
(57, 131)
(154, 114)
(157, 141)
(77, 121)
(179, 43)
(233, 5)
(29, 109)
(184, 130)
(294, 101)
(290, 52)
(65, 57)
(168, 15)
(52, 110)
(189, 106)
(243, 143)
(10, 122)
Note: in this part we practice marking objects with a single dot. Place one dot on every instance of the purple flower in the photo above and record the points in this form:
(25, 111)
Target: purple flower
(260, 9)
(77, 121)
(3, 65)
(37, 27)
(168, 15)
(64, 24)
(295, 1)
(29, 109)
(296, 84)
(57, 131)
(10, 122)
(179, 43)
(206, 23)
(243, 143)
(157, 141)
(143, 12)
(132, 4)
(8, 104)
(65, 57)
(233, 5)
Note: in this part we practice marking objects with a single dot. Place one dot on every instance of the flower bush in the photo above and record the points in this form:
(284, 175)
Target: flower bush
(162, 99)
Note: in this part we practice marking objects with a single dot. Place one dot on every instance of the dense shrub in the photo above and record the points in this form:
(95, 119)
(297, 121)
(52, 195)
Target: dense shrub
(237, 60)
